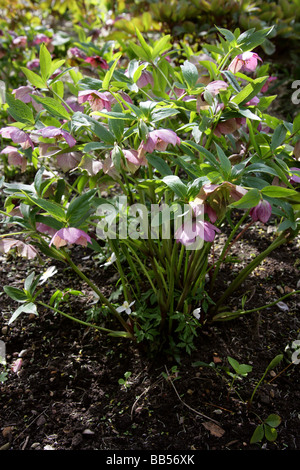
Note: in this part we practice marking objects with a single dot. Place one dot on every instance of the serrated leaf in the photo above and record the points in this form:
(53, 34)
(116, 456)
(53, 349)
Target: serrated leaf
(20, 111)
(34, 78)
(177, 186)
(53, 107)
(250, 90)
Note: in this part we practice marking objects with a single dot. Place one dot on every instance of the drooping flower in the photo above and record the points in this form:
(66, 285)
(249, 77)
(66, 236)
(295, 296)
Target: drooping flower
(97, 61)
(267, 84)
(197, 313)
(15, 157)
(158, 140)
(246, 62)
(96, 99)
(295, 178)
(196, 227)
(78, 53)
(133, 160)
(41, 38)
(20, 41)
(33, 64)
(70, 236)
(261, 212)
(229, 126)
(23, 93)
(145, 79)
(26, 250)
(253, 102)
(125, 307)
(17, 135)
(55, 132)
(216, 86)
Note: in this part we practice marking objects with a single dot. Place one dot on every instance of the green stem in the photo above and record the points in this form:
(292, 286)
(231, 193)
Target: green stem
(250, 267)
(70, 317)
(252, 310)
(103, 299)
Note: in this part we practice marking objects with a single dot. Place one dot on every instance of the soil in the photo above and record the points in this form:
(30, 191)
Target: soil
(67, 395)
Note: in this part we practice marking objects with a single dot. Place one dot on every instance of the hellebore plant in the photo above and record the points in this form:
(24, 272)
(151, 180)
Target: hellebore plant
(163, 153)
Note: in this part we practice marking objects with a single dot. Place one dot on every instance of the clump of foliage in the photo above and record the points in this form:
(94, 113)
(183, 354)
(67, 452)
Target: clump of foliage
(179, 141)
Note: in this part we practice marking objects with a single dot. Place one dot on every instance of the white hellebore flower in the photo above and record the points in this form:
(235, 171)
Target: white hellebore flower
(110, 260)
(125, 307)
(48, 273)
(196, 313)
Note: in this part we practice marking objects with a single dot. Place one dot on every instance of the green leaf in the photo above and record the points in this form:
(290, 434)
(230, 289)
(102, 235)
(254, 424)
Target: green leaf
(258, 434)
(278, 136)
(50, 207)
(109, 73)
(147, 49)
(177, 186)
(249, 200)
(161, 166)
(273, 420)
(270, 433)
(224, 161)
(100, 131)
(15, 293)
(26, 308)
(161, 46)
(190, 73)
(228, 35)
(278, 191)
(45, 62)
(275, 362)
(250, 90)
(251, 39)
(53, 107)
(116, 126)
(34, 79)
(20, 111)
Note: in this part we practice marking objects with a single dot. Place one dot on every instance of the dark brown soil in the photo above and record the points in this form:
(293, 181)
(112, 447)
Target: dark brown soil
(67, 396)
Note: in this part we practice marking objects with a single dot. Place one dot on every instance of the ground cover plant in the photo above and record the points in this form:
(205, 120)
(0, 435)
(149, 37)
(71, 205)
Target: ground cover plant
(145, 156)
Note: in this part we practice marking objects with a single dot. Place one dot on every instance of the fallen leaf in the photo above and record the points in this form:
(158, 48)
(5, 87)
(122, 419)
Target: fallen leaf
(214, 429)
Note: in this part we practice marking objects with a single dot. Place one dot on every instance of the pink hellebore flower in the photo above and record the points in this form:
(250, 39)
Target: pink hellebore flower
(14, 157)
(158, 140)
(96, 99)
(97, 61)
(23, 94)
(17, 135)
(33, 64)
(20, 41)
(145, 79)
(133, 160)
(70, 236)
(54, 132)
(216, 86)
(266, 85)
(246, 62)
(261, 212)
(229, 126)
(197, 227)
(40, 38)
(295, 178)
(78, 53)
